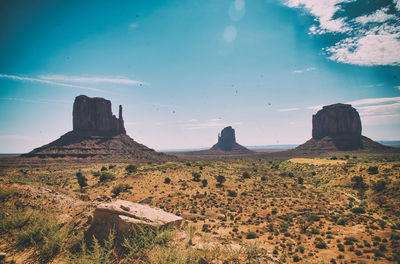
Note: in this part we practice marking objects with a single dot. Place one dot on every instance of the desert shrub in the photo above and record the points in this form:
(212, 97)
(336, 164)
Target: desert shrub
(315, 231)
(320, 243)
(333, 158)
(131, 168)
(106, 176)
(246, 175)
(263, 178)
(96, 174)
(373, 170)
(206, 228)
(312, 217)
(112, 166)
(358, 182)
(301, 249)
(4, 195)
(196, 176)
(204, 182)
(380, 186)
(220, 179)
(340, 247)
(274, 211)
(290, 175)
(82, 181)
(251, 235)
(296, 258)
(12, 219)
(232, 193)
(122, 187)
(103, 168)
(342, 221)
(167, 180)
(358, 210)
(300, 180)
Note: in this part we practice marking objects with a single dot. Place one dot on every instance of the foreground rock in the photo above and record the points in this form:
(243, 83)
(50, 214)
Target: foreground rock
(124, 215)
(338, 127)
(97, 135)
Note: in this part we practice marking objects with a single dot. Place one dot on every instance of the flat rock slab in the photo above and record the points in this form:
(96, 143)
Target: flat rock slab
(123, 214)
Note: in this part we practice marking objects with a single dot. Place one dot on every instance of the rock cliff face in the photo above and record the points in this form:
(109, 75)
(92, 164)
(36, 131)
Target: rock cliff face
(227, 142)
(338, 127)
(94, 116)
(335, 121)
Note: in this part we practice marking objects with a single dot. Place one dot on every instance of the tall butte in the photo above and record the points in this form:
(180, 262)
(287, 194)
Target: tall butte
(227, 142)
(97, 135)
(338, 127)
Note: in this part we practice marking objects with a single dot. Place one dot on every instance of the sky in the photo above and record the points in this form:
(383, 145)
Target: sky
(183, 70)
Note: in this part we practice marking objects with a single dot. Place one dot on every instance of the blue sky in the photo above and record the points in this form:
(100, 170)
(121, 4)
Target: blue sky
(185, 69)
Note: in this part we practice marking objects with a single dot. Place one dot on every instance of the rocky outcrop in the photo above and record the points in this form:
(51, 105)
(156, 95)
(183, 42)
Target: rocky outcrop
(227, 142)
(338, 127)
(94, 116)
(337, 120)
(124, 215)
(97, 136)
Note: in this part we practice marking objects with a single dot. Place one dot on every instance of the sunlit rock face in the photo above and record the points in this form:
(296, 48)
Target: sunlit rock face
(94, 116)
(338, 127)
(336, 120)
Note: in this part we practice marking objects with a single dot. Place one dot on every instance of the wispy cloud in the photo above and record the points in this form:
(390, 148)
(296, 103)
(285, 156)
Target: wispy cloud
(133, 25)
(305, 70)
(372, 38)
(210, 123)
(372, 101)
(92, 79)
(49, 82)
(288, 109)
(40, 101)
(375, 111)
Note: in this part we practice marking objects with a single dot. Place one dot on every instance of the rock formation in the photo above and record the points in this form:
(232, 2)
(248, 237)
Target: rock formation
(336, 120)
(94, 116)
(97, 135)
(227, 142)
(338, 127)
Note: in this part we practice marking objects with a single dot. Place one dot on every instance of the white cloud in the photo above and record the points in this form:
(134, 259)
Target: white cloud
(30, 79)
(288, 109)
(92, 79)
(305, 70)
(397, 4)
(379, 16)
(323, 11)
(370, 101)
(372, 39)
(18, 137)
(397, 87)
(230, 33)
(377, 47)
(133, 25)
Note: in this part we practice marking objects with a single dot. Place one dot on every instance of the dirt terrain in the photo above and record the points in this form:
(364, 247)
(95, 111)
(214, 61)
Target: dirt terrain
(336, 207)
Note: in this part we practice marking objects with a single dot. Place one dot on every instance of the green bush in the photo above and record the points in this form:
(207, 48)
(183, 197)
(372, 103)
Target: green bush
(196, 176)
(204, 182)
(246, 175)
(232, 193)
(82, 181)
(122, 187)
(373, 170)
(106, 176)
(220, 179)
(320, 243)
(251, 235)
(358, 210)
(103, 168)
(167, 180)
(131, 168)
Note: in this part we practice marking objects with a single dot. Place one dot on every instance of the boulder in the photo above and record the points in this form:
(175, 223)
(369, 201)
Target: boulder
(125, 215)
